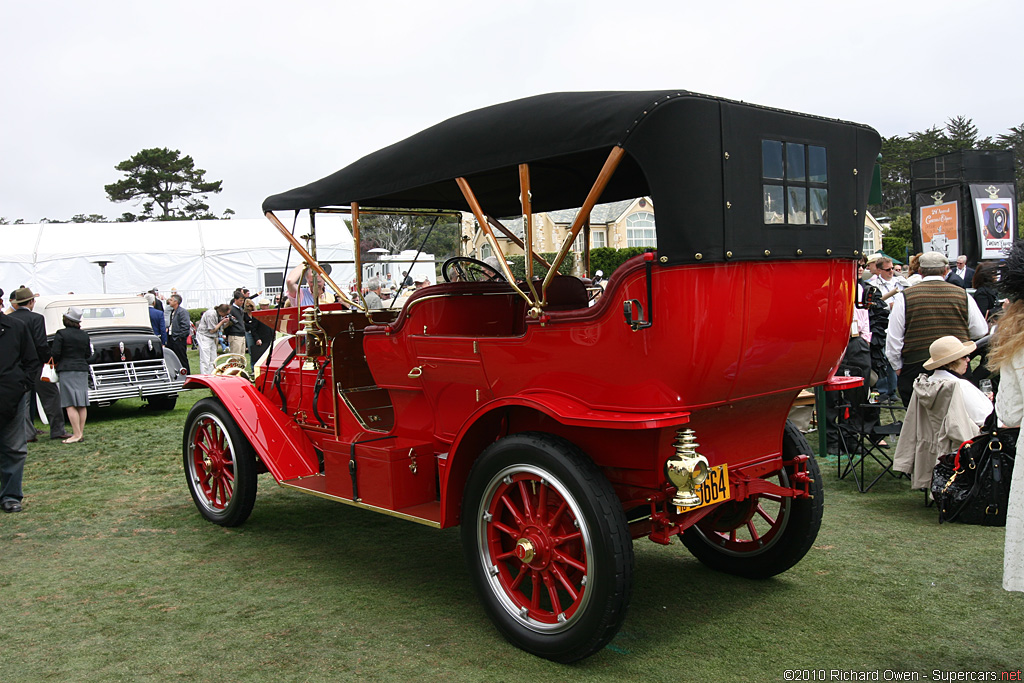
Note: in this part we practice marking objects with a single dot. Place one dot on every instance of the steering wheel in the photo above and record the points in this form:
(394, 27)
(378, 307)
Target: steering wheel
(466, 269)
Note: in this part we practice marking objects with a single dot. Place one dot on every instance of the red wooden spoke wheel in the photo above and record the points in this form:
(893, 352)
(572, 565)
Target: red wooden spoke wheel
(534, 539)
(765, 534)
(219, 464)
(547, 545)
(213, 462)
(752, 525)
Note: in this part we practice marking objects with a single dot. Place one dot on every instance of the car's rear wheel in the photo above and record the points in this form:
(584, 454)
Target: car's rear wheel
(220, 464)
(765, 534)
(547, 546)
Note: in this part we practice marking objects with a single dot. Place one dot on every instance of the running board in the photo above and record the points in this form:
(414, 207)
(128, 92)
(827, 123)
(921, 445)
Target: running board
(428, 514)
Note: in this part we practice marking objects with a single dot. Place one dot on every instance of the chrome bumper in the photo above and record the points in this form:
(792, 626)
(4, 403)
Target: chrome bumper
(132, 379)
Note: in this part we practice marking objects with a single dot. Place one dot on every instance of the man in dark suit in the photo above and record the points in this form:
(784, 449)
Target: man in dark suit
(963, 271)
(17, 353)
(178, 333)
(23, 300)
(954, 279)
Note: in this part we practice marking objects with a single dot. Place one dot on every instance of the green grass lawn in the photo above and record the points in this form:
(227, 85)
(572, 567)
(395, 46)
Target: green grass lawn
(111, 574)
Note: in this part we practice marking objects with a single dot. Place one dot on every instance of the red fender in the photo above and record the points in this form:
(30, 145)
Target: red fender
(571, 411)
(561, 407)
(278, 440)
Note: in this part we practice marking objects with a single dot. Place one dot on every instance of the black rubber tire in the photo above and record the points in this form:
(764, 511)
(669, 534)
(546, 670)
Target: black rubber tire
(162, 402)
(543, 461)
(238, 461)
(801, 520)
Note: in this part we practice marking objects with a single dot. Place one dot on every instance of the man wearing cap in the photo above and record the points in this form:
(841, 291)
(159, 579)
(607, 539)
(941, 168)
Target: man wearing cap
(921, 314)
(869, 266)
(17, 354)
(23, 300)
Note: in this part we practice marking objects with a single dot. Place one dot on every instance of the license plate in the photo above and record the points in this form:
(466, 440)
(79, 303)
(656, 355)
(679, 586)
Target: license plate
(715, 488)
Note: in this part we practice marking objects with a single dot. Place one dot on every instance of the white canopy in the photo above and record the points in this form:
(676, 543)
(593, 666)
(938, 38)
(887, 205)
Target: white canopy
(204, 261)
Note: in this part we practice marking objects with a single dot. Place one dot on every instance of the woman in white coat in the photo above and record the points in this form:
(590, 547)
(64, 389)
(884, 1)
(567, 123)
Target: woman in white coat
(1006, 355)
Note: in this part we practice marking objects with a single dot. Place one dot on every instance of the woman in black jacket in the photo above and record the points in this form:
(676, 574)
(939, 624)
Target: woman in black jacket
(985, 293)
(71, 351)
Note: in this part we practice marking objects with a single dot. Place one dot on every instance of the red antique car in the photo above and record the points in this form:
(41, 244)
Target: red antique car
(556, 431)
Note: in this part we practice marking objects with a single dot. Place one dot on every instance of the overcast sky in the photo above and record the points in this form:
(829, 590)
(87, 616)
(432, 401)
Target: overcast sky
(267, 96)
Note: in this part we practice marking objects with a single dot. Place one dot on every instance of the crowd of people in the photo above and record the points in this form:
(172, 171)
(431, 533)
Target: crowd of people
(915, 332)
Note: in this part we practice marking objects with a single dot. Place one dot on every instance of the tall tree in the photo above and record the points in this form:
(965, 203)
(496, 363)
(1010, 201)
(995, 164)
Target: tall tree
(961, 133)
(1014, 141)
(899, 151)
(395, 233)
(161, 177)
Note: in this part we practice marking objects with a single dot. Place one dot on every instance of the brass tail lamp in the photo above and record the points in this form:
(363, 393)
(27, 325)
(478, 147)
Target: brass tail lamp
(687, 469)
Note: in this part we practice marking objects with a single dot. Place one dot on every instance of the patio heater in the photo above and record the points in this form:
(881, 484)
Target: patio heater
(103, 263)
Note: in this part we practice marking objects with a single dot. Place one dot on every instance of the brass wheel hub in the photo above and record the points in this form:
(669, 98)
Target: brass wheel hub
(525, 550)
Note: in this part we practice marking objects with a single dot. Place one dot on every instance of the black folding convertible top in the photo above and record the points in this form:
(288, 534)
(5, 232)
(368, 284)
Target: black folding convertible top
(697, 157)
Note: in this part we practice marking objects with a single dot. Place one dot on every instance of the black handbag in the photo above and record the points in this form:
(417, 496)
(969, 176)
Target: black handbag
(972, 486)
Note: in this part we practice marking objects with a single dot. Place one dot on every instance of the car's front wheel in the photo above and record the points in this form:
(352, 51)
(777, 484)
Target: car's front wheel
(547, 545)
(220, 464)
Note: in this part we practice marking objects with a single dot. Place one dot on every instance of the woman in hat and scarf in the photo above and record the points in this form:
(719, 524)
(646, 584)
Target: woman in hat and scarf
(949, 360)
(1006, 355)
(71, 351)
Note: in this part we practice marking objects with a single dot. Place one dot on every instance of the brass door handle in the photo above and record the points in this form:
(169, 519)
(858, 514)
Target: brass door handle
(416, 372)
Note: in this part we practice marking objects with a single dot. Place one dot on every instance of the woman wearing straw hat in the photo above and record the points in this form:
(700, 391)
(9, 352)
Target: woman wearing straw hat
(948, 358)
(71, 351)
(1006, 355)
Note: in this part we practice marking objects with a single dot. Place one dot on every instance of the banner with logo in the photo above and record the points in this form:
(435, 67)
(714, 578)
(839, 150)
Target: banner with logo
(994, 206)
(939, 218)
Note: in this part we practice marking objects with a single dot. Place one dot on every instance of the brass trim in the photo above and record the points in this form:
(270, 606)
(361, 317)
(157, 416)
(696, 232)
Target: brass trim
(605, 175)
(365, 506)
(485, 226)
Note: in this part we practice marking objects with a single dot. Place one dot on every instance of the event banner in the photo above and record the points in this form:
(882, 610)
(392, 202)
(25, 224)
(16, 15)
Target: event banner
(939, 215)
(994, 206)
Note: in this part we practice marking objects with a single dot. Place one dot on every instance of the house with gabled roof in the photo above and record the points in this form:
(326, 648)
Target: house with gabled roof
(628, 223)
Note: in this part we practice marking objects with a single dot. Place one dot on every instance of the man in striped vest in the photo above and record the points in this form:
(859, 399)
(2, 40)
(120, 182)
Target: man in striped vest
(930, 309)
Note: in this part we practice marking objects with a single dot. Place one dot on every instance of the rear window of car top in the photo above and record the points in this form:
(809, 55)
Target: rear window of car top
(102, 312)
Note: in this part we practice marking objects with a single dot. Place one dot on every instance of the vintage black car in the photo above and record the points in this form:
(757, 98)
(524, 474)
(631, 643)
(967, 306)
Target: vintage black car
(128, 360)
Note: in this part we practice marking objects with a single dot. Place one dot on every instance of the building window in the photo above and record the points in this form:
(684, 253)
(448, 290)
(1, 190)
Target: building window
(869, 240)
(598, 239)
(485, 251)
(794, 183)
(640, 230)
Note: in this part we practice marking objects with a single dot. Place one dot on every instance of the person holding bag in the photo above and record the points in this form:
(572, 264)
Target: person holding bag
(1006, 355)
(71, 351)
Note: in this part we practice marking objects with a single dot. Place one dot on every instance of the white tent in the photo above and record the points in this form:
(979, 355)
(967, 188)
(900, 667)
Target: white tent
(204, 261)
